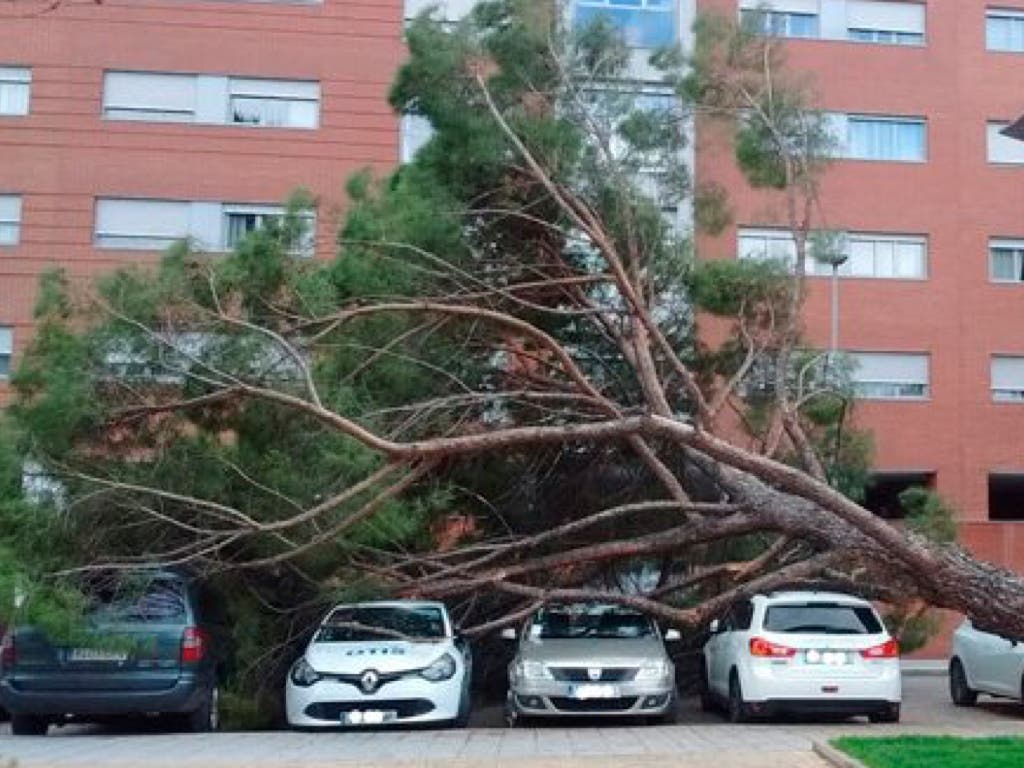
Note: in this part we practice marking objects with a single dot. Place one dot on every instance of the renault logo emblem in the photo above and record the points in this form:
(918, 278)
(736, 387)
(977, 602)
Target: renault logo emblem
(369, 681)
(594, 673)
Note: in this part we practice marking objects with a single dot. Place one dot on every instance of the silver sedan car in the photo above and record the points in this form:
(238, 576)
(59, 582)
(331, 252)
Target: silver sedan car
(590, 660)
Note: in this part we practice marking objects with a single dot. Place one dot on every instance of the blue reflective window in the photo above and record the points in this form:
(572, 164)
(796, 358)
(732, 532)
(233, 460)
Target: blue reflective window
(781, 23)
(886, 37)
(645, 23)
(899, 140)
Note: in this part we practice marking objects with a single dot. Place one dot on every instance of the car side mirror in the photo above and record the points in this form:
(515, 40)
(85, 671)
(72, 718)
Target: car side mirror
(715, 627)
(508, 633)
(673, 636)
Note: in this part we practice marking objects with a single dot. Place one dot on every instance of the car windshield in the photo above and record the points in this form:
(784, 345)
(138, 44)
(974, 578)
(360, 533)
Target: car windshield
(822, 618)
(137, 600)
(362, 623)
(597, 621)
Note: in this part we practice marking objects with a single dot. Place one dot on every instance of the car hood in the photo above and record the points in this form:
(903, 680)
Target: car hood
(383, 656)
(594, 652)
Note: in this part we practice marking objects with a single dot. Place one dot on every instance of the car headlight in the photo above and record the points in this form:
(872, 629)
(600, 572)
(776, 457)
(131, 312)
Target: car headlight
(653, 670)
(303, 674)
(441, 669)
(531, 670)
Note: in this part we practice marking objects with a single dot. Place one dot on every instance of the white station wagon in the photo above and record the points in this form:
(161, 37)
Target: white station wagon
(803, 652)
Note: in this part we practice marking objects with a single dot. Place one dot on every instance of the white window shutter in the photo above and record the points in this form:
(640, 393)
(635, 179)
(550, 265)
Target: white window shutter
(154, 218)
(889, 16)
(1003, 149)
(149, 90)
(910, 368)
(6, 340)
(1008, 373)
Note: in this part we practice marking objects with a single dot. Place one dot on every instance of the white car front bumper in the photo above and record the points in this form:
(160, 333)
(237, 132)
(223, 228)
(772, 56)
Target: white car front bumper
(411, 699)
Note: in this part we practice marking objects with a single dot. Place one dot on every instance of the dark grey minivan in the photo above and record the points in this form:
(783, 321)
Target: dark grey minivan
(155, 648)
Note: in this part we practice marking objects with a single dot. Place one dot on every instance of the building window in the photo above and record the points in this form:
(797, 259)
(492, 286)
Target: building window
(890, 375)
(150, 97)
(15, 87)
(1006, 496)
(1003, 150)
(6, 351)
(1006, 261)
(210, 99)
(416, 132)
(10, 219)
(780, 23)
(154, 225)
(644, 23)
(142, 225)
(889, 23)
(1007, 379)
(1004, 30)
(882, 493)
(881, 256)
(274, 103)
(242, 220)
(886, 256)
(895, 139)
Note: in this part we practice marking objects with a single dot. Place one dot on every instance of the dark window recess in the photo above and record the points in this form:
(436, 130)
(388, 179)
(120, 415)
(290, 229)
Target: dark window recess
(882, 495)
(1006, 497)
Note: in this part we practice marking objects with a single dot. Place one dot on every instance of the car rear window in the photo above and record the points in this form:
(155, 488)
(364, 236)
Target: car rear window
(159, 600)
(822, 618)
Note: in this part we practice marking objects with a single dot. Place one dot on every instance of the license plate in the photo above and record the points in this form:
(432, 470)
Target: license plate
(593, 692)
(95, 654)
(827, 658)
(368, 717)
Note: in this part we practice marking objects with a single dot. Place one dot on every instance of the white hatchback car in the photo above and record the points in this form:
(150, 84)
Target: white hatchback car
(984, 662)
(387, 663)
(802, 652)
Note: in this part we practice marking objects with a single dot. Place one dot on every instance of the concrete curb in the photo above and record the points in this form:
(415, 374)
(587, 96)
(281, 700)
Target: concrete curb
(834, 757)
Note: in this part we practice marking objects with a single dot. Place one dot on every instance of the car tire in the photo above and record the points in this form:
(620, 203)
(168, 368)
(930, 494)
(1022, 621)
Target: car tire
(465, 708)
(707, 698)
(959, 690)
(29, 725)
(891, 714)
(737, 711)
(670, 716)
(207, 717)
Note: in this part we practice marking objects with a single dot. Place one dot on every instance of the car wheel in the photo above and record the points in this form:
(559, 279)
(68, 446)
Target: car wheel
(29, 725)
(671, 715)
(737, 711)
(465, 707)
(890, 714)
(207, 717)
(707, 699)
(959, 691)
(512, 717)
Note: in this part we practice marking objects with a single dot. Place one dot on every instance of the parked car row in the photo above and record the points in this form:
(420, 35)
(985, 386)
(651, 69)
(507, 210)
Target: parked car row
(161, 652)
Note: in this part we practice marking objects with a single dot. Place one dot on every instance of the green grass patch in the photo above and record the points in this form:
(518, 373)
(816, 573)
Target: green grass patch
(934, 752)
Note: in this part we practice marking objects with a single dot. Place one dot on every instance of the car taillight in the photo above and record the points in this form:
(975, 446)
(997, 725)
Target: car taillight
(766, 649)
(8, 655)
(890, 649)
(193, 645)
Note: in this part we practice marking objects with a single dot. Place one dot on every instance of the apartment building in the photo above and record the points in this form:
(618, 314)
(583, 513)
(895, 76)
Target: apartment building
(931, 196)
(127, 125)
(130, 124)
